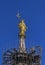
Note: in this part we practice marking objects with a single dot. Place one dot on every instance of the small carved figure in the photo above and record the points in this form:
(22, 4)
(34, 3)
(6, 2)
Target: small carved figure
(22, 27)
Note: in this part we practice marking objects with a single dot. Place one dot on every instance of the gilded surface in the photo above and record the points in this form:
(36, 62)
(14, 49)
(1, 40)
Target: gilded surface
(22, 28)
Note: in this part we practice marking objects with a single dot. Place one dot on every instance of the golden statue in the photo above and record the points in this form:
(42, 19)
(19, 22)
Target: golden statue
(22, 28)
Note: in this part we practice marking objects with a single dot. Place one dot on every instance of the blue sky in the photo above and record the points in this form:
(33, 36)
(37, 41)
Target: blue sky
(33, 12)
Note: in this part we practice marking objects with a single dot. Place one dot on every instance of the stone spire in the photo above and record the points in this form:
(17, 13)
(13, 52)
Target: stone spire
(22, 28)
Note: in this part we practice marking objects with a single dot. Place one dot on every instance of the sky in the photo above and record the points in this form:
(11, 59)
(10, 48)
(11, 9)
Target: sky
(33, 13)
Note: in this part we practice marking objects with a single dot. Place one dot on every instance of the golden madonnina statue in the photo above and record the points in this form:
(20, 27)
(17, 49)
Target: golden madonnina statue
(22, 28)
